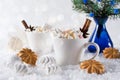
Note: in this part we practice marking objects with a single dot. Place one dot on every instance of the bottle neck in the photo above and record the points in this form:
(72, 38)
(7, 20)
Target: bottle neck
(100, 21)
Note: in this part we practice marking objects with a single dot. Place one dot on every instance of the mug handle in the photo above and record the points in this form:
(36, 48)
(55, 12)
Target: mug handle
(96, 46)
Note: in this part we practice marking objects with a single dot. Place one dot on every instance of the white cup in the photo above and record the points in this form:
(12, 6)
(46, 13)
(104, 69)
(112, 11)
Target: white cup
(39, 41)
(68, 51)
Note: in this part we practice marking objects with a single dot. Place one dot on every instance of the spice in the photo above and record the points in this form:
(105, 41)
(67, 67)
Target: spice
(31, 28)
(85, 28)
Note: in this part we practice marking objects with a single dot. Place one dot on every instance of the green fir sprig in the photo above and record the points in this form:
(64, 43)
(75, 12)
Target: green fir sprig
(98, 8)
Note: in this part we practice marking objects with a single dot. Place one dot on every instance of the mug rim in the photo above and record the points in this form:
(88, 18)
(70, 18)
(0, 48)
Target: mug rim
(69, 39)
(34, 32)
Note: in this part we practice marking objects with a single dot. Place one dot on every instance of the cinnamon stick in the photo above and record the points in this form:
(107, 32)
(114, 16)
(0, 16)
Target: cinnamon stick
(85, 28)
(86, 24)
(25, 24)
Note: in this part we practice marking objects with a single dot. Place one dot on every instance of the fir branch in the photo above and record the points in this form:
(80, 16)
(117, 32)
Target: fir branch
(105, 8)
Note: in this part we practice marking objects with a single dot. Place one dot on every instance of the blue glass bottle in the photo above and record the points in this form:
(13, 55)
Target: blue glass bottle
(100, 35)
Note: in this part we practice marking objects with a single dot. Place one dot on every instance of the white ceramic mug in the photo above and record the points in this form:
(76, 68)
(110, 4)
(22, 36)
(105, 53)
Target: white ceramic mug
(39, 41)
(68, 51)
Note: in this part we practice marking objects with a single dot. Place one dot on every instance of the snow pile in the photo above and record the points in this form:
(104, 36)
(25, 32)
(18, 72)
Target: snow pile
(70, 72)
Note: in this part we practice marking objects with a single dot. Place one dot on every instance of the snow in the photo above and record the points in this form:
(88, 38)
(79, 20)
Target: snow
(57, 13)
(70, 72)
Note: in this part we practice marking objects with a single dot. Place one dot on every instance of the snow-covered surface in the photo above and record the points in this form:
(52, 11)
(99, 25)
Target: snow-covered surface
(112, 71)
(57, 13)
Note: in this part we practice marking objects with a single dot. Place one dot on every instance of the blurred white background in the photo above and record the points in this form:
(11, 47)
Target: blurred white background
(58, 13)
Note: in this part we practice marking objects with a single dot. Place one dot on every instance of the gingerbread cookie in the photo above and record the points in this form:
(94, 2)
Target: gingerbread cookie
(111, 53)
(92, 66)
(28, 56)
